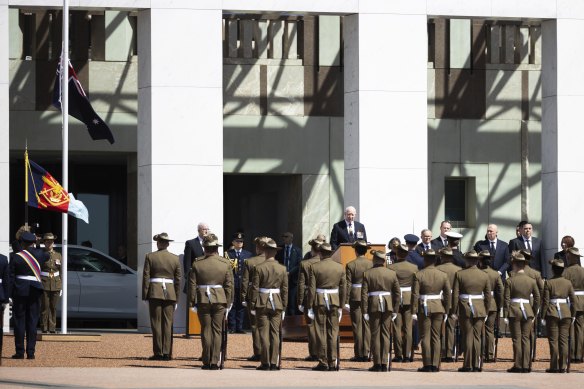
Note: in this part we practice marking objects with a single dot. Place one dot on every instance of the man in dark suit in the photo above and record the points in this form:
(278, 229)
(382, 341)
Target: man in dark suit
(528, 242)
(194, 248)
(237, 256)
(442, 240)
(27, 290)
(290, 256)
(499, 250)
(427, 242)
(347, 230)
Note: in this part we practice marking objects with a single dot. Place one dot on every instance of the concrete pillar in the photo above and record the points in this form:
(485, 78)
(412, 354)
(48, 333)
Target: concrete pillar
(180, 130)
(386, 156)
(4, 137)
(562, 102)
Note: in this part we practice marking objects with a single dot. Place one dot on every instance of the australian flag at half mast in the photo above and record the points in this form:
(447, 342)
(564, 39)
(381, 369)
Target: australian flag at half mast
(79, 106)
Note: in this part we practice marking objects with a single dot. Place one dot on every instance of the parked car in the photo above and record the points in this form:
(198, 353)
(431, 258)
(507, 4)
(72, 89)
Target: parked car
(99, 286)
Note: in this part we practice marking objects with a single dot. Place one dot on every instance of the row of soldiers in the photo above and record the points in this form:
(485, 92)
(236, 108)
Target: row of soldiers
(384, 302)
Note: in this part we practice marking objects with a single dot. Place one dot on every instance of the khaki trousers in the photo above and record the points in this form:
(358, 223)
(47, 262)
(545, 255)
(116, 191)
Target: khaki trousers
(448, 339)
(403, 332)
(49, 303)
(161, 315)
(268, 322)
(361, 332)
(327, 332)
(558, 331)
(521, 335)
(380, 323)
(255, 335)
(211, 317)
(490, 334)
(430, 328)
(578, 336)
(311, 329)
(471, 330)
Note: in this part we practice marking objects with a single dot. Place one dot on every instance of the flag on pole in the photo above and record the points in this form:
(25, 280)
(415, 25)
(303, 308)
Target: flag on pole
(80, 107)
(44, 192)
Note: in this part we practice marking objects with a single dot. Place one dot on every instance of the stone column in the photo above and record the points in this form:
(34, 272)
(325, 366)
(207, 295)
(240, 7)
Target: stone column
(180, 130)
(4, 137)
(386, 153)
(562, 139)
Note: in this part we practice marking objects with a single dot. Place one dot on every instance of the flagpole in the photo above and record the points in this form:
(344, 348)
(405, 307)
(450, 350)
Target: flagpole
(26, 185)
(65, 112)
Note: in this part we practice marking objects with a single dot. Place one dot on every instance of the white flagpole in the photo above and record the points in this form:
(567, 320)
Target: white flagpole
(65, 112)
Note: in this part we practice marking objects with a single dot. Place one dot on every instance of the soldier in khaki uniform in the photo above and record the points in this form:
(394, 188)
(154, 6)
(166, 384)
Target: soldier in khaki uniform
(472, 296)
(380, 293)
(430, 303)
(269, 298)
(575, 274)
(519, 312)
(51, 280)
(354, 271)
(326, 294)
(447, 266)
(403, 322)
(161, 286)
(210, 295)
(248, 268)
(497, 290)
(303, 281)
(558, 313)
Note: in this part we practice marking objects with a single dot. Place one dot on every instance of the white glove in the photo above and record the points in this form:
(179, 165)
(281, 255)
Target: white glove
(501, 274)
(347, 306)
(542, 321)
(366, 316)
(445, 317)
(194, 309)
(61, 293)
(175, 306)
(340, 310)
(414, 316)
(301, 308)
(506, 321)
(486, 317)
(573, 320)
(244, 303)
(253, 312)
(283, 314)
(311, 314)
(454, 317)
(393, 316)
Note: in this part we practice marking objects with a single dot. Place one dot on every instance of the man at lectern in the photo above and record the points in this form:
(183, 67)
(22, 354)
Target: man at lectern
(347, 230)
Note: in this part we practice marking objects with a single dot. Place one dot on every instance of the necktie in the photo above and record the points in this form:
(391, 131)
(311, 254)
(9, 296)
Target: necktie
(492, 249)
(287, 259)
(426, 248)
(528, 244)
(351, 235)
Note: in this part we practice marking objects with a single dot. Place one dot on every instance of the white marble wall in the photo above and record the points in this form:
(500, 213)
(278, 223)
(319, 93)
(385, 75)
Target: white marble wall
(563, 99)
(385, 117)
(180, 129)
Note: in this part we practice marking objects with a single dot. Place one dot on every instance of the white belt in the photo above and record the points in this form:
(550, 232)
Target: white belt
(271, 293)
(492, 292)
(28, 278)
(426, 297)
(356, 285)
(522, 303)
(208, 289)
(326, 292)
(557, 302)
(162, 281)
(471, 297)
(579, 293)
(47, 274)
(380, 294)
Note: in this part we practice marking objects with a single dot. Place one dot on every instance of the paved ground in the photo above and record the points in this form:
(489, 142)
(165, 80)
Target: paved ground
(120, 361)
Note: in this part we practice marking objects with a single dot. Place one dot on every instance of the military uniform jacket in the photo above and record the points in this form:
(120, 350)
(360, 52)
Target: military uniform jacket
(18, 267)
(405, 274)
(380, 279)
(248, 267)
(304, 278)
(211, 270)
(520, 286)
(269, 275)
(6, 280)
(326, 274)
(536, 275)
(558, 288)
(471, 281)
(161, 264)
(497, 289)
(52, 282)
(575, 274)
(354, 272)
(431, 281)
(450, 269)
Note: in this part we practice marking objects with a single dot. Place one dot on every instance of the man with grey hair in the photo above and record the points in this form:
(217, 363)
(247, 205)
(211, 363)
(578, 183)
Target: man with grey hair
(347, 230)
(499, 250)
(194, 247)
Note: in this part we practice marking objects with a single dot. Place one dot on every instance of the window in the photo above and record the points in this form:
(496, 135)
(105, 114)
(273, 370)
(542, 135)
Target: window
(459, 199)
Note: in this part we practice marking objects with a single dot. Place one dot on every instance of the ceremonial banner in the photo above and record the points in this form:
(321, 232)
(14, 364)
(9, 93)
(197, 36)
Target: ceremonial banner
(44, 192)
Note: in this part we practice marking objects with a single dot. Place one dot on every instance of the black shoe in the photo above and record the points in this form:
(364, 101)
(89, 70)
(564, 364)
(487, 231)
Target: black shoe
(320, 367)
(206, 367)
(397, 359)
(552, 371)
(30, 356)
(240, 332)
(407, 360)
(448, 359)
(375, 368)
(166, 357)
(214, 366)
(45, 331)
(426, 369)
(18, 356)
(489, 360)
(254, 358)
(477, 369)
(355, 359)
(311, 358)
(332, 368)
(383, 368)
(526, 370)
(562, 371)
(53, 332)
(464, 369)
(273, 366)
(515, 370)
(156, 358)
(263, 367)
(434, 369)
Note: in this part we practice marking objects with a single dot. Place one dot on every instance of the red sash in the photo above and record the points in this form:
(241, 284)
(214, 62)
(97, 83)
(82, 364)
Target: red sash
(32, 263)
